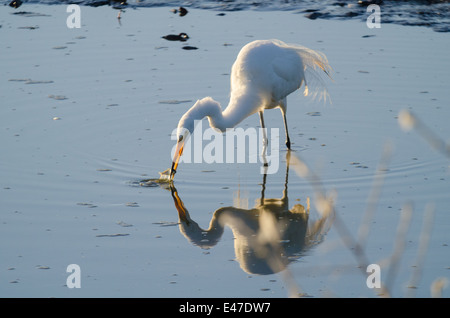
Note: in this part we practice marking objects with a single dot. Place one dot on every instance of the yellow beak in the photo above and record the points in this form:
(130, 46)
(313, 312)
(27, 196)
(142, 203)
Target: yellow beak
(176, 159)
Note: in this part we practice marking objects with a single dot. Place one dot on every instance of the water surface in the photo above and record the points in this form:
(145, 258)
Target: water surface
(88, 113)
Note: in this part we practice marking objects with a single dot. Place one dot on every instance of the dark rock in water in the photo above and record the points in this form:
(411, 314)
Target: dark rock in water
(29, 27)
(314, 15)
(311, 10)
(173, 37)
(441, 28)
(369, 2)
(181, 11)
(188, 47)
(30, 14)
(15, 4)
(118, 4)
(98, 3)
(351, 14)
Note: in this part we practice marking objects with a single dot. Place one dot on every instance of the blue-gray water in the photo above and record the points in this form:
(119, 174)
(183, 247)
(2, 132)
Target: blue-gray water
(88, 113)
(431, 13)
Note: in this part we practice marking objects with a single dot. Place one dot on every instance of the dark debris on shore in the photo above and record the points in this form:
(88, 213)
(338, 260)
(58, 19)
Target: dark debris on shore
(428, 13)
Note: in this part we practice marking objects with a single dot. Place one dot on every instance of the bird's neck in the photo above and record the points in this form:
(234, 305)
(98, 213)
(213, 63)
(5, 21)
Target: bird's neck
(239, 108)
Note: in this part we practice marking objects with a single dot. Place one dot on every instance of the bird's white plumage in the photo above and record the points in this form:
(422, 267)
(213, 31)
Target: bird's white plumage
(264, 74)
(268, 70)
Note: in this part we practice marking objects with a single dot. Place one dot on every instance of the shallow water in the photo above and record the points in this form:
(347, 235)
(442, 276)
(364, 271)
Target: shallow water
(71, 165)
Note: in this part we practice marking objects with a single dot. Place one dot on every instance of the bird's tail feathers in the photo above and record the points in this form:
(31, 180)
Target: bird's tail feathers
(315, 85)
(313, 62)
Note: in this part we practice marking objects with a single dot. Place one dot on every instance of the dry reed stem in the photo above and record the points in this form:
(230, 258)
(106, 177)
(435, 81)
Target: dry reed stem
(409, 121)
(399, 246)
(325, 206)
(424, 240)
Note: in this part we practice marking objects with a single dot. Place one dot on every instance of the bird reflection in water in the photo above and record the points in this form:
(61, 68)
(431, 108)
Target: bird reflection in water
(267, 237)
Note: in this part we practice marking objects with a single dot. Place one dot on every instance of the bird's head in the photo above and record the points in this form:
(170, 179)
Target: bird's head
(205, 107)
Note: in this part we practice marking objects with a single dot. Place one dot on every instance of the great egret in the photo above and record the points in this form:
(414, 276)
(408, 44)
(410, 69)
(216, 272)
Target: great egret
(264, 73)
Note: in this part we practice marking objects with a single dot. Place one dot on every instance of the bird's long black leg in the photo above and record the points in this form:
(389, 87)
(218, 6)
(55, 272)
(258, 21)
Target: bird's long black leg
(265, 141)
(263, 126)
(288, 140)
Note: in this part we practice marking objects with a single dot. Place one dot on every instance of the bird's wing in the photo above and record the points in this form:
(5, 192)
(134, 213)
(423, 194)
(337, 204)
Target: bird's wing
(287, 75)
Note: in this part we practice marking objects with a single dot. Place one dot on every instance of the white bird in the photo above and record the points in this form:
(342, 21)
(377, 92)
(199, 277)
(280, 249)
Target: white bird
(264, 73)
